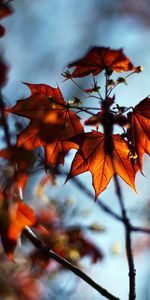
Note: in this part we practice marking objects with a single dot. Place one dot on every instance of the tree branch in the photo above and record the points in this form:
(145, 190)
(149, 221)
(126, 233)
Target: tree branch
(88, 193)
(140, 229)
(128, 230)
(51, 254)
(104, 207)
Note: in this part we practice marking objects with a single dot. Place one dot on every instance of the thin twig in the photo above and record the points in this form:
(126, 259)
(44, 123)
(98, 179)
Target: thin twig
(140, 229)
(104, 207)
(90, 95)
(88, 193)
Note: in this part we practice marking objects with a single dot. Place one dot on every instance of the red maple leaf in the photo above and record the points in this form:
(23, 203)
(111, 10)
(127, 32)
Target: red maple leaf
(98, 59)
(91, 156)
(52, 122)
(14, 217)
(139, 132)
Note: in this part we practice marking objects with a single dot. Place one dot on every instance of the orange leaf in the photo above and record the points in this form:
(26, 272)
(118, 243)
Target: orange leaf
(52, 122)
(98, 59)
(92, 157)
(21, 215)
(139, 133)
(14, 217)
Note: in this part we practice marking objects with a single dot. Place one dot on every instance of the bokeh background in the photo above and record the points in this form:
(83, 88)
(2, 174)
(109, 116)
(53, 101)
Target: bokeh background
(42, 38)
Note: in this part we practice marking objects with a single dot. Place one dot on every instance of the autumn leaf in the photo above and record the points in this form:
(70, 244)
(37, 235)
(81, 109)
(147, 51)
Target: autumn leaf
(92, 157)
(98, 59)
(21, 215)
(52, 122)
(20, 160)
(14, 217)
(139, 132)
(43, 99)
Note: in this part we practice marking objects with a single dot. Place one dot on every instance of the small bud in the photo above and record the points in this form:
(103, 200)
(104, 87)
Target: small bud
(121, 80)
(74, 254)
(75, 101)
(133, 155)
(116, 248)
(111, 83)
(139, 69)
(96, 227)
(66, 74)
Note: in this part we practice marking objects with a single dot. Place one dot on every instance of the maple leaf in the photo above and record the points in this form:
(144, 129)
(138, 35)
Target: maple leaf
(52, 122)
(92, 157)
(139, 132)
(21, 160)
(14, 217)
(98, 59)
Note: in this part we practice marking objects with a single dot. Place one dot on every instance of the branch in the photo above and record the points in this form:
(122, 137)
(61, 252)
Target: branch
(140, 229)
(128, 230)
(88, 193)
(4, 121)
(51, 254)
(104, 207)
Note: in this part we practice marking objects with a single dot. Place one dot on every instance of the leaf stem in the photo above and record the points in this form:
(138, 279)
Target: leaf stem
(90, 95)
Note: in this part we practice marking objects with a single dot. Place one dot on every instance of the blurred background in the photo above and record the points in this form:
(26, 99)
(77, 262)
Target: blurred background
(41, 38)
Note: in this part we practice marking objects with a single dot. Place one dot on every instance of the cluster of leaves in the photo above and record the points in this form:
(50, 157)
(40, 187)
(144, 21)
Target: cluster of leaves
(55, 126)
